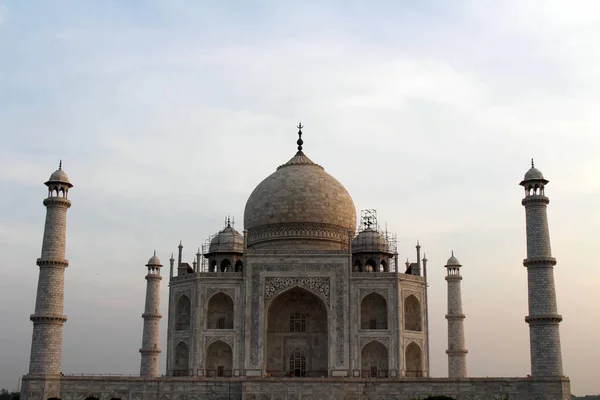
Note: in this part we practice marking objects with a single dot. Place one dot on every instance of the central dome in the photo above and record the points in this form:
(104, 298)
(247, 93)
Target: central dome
(299, 205)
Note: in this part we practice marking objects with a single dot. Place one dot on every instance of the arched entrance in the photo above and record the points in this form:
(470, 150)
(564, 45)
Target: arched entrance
(297, 335)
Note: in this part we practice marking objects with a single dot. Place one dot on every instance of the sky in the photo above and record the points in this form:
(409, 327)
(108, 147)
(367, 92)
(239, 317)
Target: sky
(167, 114)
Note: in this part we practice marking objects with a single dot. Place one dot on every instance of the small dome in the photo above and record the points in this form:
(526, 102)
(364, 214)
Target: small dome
(59, 176)
(227, 241)
(154, 260)
(369, 241)
(453, 261)
(533, 173)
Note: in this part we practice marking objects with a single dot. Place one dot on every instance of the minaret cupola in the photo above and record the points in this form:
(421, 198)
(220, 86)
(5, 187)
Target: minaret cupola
(533, 182)
(59, 184)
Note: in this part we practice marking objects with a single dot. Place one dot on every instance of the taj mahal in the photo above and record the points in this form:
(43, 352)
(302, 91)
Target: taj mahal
(308, 301)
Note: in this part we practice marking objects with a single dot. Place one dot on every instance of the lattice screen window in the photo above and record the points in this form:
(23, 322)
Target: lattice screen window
(297, 322)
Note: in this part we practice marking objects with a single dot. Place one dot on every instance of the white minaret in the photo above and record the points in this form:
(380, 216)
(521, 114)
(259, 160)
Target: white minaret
(151, 335)
(48, 318)
(543, 318)
(457, 353)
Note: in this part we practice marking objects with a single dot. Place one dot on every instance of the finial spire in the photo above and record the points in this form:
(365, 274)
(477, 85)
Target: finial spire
(300, 142)
(60, 164)
(532, 166)
(452, 253)
(154, 252)
(228, 222)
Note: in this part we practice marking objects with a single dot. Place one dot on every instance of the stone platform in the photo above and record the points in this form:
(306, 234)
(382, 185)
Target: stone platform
(72, 387)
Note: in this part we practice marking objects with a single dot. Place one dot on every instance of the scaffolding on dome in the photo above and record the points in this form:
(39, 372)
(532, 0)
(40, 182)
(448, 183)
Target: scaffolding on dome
(368, 220)
(205, 249)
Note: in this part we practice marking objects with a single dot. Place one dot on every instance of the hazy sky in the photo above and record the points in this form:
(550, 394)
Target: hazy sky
(167, 114)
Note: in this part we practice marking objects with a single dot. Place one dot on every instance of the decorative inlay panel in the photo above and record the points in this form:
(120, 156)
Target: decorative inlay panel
(320, 285)
(208, 340)
(418, 341)
(306, 230)
(212, 290)
(381, 339)
(366, 291)
(407, 293)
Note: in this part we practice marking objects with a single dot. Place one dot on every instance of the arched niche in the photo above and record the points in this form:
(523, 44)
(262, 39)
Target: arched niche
(219, 359)
(212, 266)
(373, 312)
(225, 265)
(370, 265)
(374, 360)
(239, 266)
(297, 322)
(182, 360)
(219, 313)
(182, 313)
(412, 314)
(414, 361)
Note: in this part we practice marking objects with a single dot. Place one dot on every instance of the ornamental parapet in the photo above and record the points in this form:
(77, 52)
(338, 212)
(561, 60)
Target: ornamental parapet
(52, 262)
(194, 275)
(535, 199)
(540, 262)
(399, 275)
(48, 319)
(541, 319)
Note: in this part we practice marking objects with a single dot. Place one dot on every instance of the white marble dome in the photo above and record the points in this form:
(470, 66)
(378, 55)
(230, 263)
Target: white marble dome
(302, 202)
(227, 241)
(533, 173)
(154, 260)
(369, 241)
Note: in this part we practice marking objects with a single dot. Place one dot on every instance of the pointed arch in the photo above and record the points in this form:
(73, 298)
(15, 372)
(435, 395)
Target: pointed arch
(374, 360)
(212, 266)
(412, 314)
(383, 265)
(357, 267)
(182, 360)
(414, 362)
(370, 265)
(219, 312)
(219, 359)
(373, 312)
(225, 265)
(239, 266)
(182, 313)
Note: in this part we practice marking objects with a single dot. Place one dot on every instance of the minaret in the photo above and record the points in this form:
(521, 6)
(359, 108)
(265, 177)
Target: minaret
(543, 318)
(150, 337)
(457, 354)
(48, 318)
